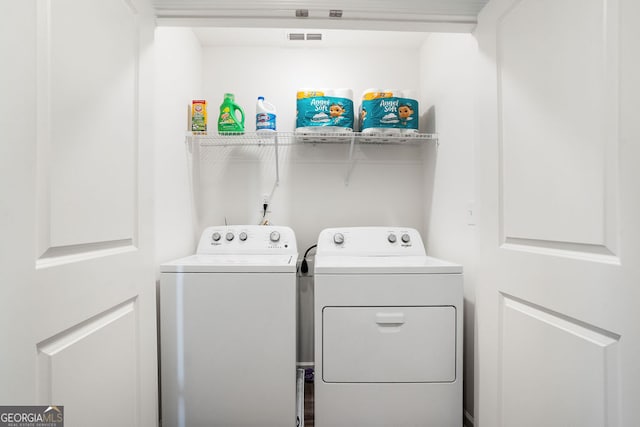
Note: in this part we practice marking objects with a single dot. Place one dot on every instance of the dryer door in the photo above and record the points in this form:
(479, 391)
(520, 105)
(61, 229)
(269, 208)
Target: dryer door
(389, 344)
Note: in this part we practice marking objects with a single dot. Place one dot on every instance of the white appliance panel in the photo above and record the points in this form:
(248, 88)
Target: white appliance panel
(247, 240)
(384, 265)
(389, 344)
(224, 337)
(370, 242)
(232, 263)
(388, 331)
(228, 330)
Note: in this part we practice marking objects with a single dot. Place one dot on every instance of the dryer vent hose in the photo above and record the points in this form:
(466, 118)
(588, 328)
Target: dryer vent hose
(304, 266)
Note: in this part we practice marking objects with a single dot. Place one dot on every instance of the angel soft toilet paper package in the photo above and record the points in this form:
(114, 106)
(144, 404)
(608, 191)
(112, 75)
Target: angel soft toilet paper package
(320, 110)
(388, 111)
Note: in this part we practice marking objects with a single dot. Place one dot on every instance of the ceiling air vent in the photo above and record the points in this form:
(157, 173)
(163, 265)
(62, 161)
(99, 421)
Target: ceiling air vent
(304, 36)
(302, 13)
(335, 13)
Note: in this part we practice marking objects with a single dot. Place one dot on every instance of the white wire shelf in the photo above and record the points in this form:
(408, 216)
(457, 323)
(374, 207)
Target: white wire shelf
(291, 138)
(199, 142)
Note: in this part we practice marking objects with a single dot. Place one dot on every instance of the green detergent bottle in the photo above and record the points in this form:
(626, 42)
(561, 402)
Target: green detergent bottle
(231, 119)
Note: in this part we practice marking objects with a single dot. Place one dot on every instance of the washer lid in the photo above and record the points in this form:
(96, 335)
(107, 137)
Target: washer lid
(232, 263)
(384, 265)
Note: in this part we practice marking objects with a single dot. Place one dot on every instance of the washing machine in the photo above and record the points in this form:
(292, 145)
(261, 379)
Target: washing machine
(228, 330)
(388, 331)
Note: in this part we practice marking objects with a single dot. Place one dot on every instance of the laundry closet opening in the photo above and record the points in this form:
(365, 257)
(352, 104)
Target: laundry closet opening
(427, 186)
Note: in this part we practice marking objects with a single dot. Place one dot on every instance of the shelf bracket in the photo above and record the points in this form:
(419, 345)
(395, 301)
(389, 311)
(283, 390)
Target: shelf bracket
(275, 145)
(350, 163)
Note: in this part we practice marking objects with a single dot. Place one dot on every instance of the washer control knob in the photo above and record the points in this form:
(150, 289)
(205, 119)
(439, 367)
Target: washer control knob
(229, 236)
(274, 236)
(338, 238)
(406, 238)
(242, 236)
(215, 236)
(392, 238)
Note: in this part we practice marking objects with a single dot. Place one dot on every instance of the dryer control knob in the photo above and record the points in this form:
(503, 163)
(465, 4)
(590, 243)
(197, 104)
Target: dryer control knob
(215, 236)
(338, 238)
(274, 236)
(406, 238)
(392, 238)
(242, 236)
(229, 236)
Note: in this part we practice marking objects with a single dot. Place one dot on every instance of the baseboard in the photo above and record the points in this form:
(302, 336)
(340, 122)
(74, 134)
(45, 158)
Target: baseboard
(468, 420)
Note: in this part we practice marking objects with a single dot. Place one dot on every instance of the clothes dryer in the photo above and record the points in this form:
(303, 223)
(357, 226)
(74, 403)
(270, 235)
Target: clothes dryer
(228, 330)
(388, 331)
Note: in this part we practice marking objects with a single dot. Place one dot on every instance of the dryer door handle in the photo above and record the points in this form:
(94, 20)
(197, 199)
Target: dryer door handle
(390, 319)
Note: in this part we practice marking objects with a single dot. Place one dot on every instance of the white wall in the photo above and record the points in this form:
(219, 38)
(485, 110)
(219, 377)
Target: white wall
(178, 81)
(386, 185)
(277, 73)
(447, 81)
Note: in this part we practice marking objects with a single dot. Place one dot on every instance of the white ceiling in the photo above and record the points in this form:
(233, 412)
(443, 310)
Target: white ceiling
(405, 15)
